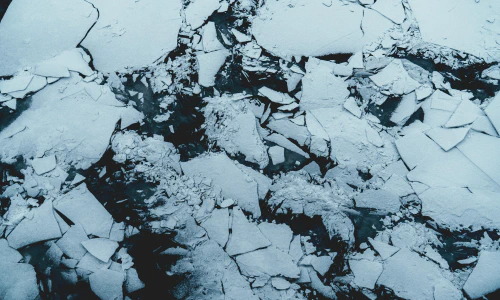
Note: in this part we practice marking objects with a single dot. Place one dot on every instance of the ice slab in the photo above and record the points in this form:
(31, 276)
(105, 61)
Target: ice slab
(198, 11)
(44, 164)
(28, 36)
(485, 278)
(228, 177)
(392, 9)
(405, 109)
(395, 79)
(277, 154)
(92, 264)
(81, 207)
(466, 113)
(322, 264)
(18, 281)
(43, 226)
(71, 242)
(245, 236)
(447, 138)
(411, 276)
(351, 105)
(135, 33)
(415, 147)
(382, 200)
(101, 248)
(280, 235)
(288, 30)
(133, 282)
(217, 226)
(270, 261)
(8, 253)
(209, 65)
(459, 208)
(493, 112)
(483, 150)
(107, 284)
(366, 273)
(17, 83)
(384, 250)
(462, 25)
(210, 41)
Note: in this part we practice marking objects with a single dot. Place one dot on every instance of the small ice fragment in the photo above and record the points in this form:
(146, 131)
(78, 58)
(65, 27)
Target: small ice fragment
(78, 178)
(18, 83)
(447, 138)
(217, 226)
(384, 250)
(240, 37)
(101, 248)
(280, 283)
(198, 11)
(71, 242)
(246, 236)
(321, 264)
(351, 105)
(366, 273)
(209, 65)
(276, 97)
(107, 284)
(485, 278)
(8, 254)
(277, 154)
(44, 164)
(280, 235)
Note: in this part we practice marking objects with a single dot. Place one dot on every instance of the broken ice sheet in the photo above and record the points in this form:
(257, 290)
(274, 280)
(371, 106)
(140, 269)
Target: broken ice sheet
(29, 36)
(136, 33)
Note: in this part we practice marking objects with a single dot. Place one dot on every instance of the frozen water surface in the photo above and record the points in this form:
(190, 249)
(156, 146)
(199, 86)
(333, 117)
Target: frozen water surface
(241, 149)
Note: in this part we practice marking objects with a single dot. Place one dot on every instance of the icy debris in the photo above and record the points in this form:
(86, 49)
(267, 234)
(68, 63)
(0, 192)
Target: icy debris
(43, 226)
(245, 236)
(382, 200)
(217, 226)
(233, 126)
(71, 242)
(276, 97)
(28, 36)
(88, 125)
(81, 207)
(280, 235)
(130, 32)
(270, 261)
(286, 29)
(484, 279)
(198, 11)
(411, 276)
(459, 208)
(209, 65)
(320, 87)
(18, 281)
(392, 9)
(44, 164)
(8, 253)
(232, 181)
(464, 27)
(395, 79)
(384, 250)
(107, 284)
(447, 138)
(277, 154)
(366, 273)
(493, 112)
(101, 248)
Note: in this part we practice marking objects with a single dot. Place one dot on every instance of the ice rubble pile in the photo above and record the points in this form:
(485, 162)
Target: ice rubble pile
(358, 120)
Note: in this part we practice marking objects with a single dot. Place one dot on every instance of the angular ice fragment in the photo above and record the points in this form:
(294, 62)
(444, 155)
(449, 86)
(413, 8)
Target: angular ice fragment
(246, 236)
(71, 242)
(351, 105)
(209, 65)
(466, 113)
(384, 250)
(280, 235)
(392, 9)
(447, 138)
(366, 273)
(44, 164)
(9, 254)
(107, 284)
(493, 112)
(217, 226)
(270, 261)
(378, 199)
(101, 248)
(18, 83)
(276, 97)
(18, 281)
(484, 279)
(198, 11)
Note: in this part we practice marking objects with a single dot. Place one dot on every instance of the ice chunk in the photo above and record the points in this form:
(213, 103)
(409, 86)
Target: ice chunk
(493, 112)
(270, 261)
(459, 208)
(410, 276)
(18, 83)
(9, 254)
(209, 65)
(36, 84)
(217, 226)
(107, 284)
(483, 124)
(321, 264)
(228, 177)
(245, 236)
(240, 37)
(373, 137)
(384, 250)
(136, 33)
(285, 143)
(71, 242)
(198, 11)
(210, 41)
(447, 138)
(320, 87)
(290, 130)
(280, 283)
(395, 79)
(366, 273)
(392, 9)
(101, 248)
(415, 147)
(80, 206)
(466, 113)
(280, 235)
(18, 281)
(398, 185)
(484, 279)
(483, 151)
(276, 97)
(44, 164)
(463, 27)
(296, 249)
(29, 37)
(91, 263)
(70, 123)
(288, 30)
(277, 154)
(78, 179)
(382, 200)
(71, 60)
(133, 282)
(351, 105)
(43, 226)
(405, 109)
